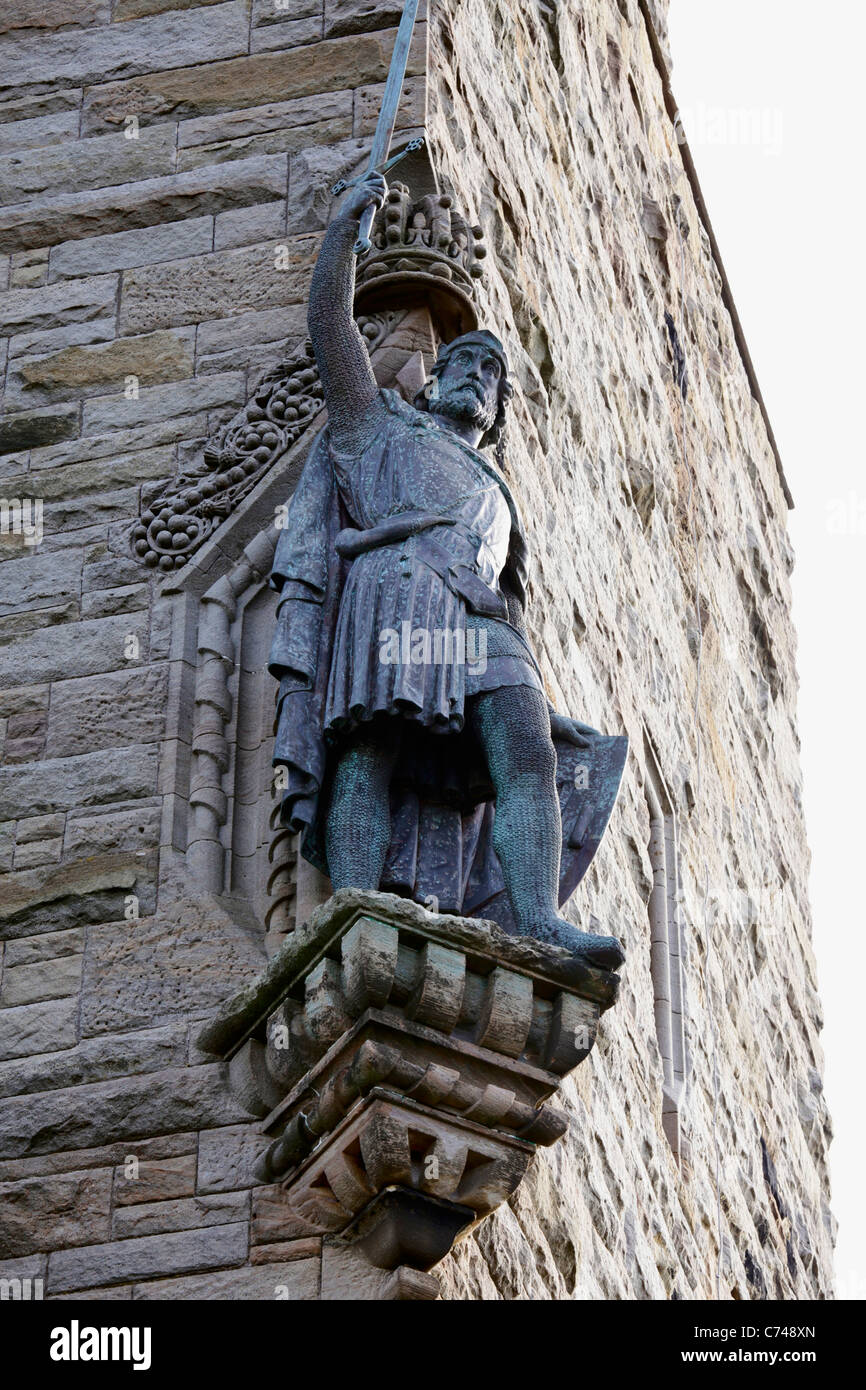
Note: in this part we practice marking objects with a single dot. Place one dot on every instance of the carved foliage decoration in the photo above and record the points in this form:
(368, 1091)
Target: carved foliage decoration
(281, 408)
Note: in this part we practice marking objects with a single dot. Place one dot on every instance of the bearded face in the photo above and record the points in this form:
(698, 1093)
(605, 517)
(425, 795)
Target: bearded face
(468, 387)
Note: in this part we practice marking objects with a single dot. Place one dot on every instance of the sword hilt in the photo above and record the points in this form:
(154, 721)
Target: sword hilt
(365, 226)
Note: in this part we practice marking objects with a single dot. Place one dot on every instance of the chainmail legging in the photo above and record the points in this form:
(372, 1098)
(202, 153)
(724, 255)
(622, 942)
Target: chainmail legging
(513, 726)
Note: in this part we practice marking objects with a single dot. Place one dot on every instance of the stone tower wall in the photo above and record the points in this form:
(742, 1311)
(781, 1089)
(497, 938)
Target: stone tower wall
(164, 170)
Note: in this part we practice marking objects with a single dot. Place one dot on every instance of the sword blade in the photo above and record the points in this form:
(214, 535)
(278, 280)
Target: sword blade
(393, 86)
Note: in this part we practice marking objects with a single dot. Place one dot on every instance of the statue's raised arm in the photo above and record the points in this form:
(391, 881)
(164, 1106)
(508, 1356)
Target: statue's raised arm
(351, 393)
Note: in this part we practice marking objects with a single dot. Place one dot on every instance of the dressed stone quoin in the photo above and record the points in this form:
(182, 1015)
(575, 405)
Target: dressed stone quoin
(420, 753)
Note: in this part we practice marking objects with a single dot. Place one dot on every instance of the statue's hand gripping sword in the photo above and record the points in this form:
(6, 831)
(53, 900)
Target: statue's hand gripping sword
(379, 162)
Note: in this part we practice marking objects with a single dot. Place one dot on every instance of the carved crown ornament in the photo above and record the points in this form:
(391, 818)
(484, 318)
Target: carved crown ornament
(422, 252)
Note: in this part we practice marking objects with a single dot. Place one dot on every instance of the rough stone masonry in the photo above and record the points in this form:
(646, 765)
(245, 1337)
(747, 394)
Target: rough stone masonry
(165, 168)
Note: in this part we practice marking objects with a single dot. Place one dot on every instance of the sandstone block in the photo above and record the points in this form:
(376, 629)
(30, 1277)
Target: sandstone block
(192, 290)
(147, 1256)
(136, 247)
(51, 14)
(98, 1059)
(71, 302)
(40, 1027)
(55, 1212)
(196, 193)
(159, 402)
(252, 329)
(312, 173)
(295, 115)
(111, 830)
(95, 645)
(360, 16)
(162, 966)
(70, 373)
(243, 226)
(129, 598)
(78, 164)
(298, 1280)
(45, 979)
(154, 1180)
(288, 34)
(45, 851)
(36, 578)
(46, 947)
(32, 429)
(330, 66)
(121, 50)
(182, 1214)
(127, 1108)
(227, 1157)
(40, 130)
(91, 779)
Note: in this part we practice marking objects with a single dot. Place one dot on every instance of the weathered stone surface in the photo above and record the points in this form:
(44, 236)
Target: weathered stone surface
(131, 1108)
(312, 174)
(45, 979)
(40, 1027)
(274, 1220)
(46, 947)
(54, 1213)
(154, 1180)
(162, 966)
(284, 33)
(78, 164)
(80, 892)
(227, 1158)
(89, 779)
(120, 50)
(182, 1214)
(125, 1152)
(298, 115)
(359, 16)
(42, 130)
(331, 66)
(412, 112)
(127, 706)
(33, 580)
(147, 1256)
(151, 358)
(32, 429)
(50, 14)
(111, 830)
(128, 598)
(248, 330)
(98, 1059)
(136, 9)
(76, 302)
(156, 403)
(191, 290)
(243, 226)
(192, 194)
(139, 246)
(298, 1280)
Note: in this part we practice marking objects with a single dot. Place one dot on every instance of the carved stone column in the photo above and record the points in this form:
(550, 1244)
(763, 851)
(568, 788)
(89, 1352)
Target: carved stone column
(402, 1062)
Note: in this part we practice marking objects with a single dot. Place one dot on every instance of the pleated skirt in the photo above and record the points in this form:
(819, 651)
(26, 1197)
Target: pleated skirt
(397, 647)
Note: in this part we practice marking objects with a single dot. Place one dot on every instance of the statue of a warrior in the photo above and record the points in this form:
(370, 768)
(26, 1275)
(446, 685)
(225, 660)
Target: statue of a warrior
(420, 753)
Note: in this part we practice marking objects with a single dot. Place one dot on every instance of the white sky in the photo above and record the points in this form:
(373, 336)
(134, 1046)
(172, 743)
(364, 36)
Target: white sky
(786, 201)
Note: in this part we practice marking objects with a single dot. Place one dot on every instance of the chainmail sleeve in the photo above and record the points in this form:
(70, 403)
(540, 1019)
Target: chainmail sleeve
(351, 391)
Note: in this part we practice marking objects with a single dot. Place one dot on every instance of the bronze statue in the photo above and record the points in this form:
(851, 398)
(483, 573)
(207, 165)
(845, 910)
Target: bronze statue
(420, 753)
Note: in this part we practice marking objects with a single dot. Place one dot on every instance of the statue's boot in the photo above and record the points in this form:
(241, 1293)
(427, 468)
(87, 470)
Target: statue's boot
(605, 952)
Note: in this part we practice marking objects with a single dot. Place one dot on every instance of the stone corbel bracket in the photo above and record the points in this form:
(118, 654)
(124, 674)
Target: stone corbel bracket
(401, 1060)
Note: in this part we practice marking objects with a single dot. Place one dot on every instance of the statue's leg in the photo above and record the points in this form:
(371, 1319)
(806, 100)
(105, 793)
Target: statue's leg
(358, 826)
(513, 726)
